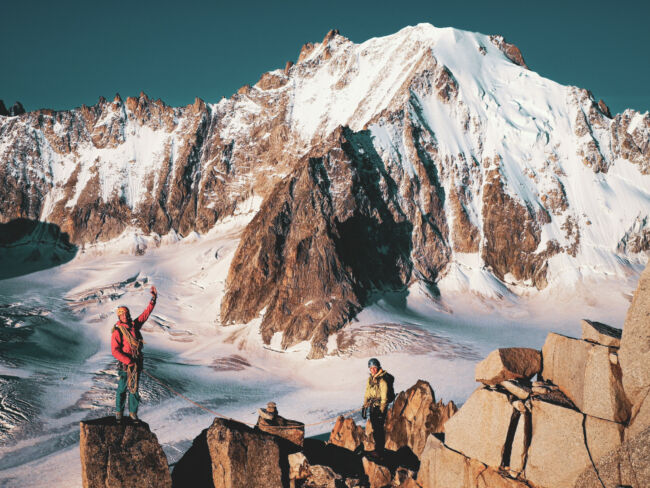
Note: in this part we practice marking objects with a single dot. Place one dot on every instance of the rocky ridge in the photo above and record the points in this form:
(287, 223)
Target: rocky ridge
(375, 166)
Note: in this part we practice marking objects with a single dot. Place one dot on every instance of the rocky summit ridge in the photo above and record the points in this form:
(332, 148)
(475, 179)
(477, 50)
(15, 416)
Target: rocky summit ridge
(432, 156)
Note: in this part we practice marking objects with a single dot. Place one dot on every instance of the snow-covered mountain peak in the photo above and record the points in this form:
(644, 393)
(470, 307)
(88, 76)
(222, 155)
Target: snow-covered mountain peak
(341, 83)
(435, 147)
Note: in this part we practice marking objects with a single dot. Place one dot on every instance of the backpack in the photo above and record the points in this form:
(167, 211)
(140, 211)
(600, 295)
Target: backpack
(390, 381)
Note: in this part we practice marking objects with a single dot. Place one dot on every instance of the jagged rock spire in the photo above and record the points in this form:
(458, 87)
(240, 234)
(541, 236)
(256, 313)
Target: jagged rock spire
(17, 109)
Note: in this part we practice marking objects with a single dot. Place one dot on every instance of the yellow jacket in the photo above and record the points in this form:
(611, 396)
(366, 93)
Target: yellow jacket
(376, 391)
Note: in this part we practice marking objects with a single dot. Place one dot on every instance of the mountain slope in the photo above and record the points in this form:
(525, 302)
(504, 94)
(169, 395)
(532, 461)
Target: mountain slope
(431, 155)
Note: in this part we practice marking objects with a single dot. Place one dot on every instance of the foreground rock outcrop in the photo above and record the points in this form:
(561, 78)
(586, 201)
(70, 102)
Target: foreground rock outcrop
(564, 442)
(414, 416)
(507, 364)
(443, 467)
(584, 372)
(480, 429)
(582, 423)
(635, 356)
(242, 456)
(628, 465)
(272, 422)
(121, 455)
(232, 454)
(542, 441)
(347, 434)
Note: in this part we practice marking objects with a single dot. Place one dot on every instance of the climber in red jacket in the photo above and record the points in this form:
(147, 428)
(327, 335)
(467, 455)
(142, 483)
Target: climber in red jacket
(126, 346)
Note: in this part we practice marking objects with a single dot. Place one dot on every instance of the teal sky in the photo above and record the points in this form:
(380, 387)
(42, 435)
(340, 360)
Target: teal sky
(61, 54)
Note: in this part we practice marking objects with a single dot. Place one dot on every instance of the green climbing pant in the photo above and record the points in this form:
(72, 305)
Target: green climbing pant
(122, 392)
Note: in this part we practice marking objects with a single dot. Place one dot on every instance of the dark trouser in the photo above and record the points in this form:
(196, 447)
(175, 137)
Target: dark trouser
(377, 420)
(122, 392)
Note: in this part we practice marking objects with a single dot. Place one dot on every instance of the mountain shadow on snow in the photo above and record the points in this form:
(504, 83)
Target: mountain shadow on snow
(27, 246)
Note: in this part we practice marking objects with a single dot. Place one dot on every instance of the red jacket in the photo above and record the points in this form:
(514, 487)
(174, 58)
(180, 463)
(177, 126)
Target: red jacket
(120, 348)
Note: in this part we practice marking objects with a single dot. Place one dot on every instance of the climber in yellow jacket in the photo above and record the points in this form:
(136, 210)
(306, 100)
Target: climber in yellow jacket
(375, 402)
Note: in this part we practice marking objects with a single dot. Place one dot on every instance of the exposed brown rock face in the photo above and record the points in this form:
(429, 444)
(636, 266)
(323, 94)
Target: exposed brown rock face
(466, 236)
(327, 237)
(405, 478)
(510, 225)
(305, 51)
(630, 142)
(510, 50)
(322, 477)
(589, 119)
(121, 455)
(298, 466)
(509, 363)
(604, 108)
(414, 415)
(242, 456)
(189, 187)
(516, 428)
(601, 436)
(554, 425)
(270, 81)
(489, 431)
(96, 216)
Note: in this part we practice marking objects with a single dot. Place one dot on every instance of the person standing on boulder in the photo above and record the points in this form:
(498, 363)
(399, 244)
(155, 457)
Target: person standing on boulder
(376, 400)
(126, 346)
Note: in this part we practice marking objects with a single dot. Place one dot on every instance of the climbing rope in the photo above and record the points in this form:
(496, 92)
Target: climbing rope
(217, 414)
(133, 375)
(132, 378)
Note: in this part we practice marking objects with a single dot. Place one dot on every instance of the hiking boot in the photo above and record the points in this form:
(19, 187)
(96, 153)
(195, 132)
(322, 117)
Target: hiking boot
(118, 416)
(133, 416)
